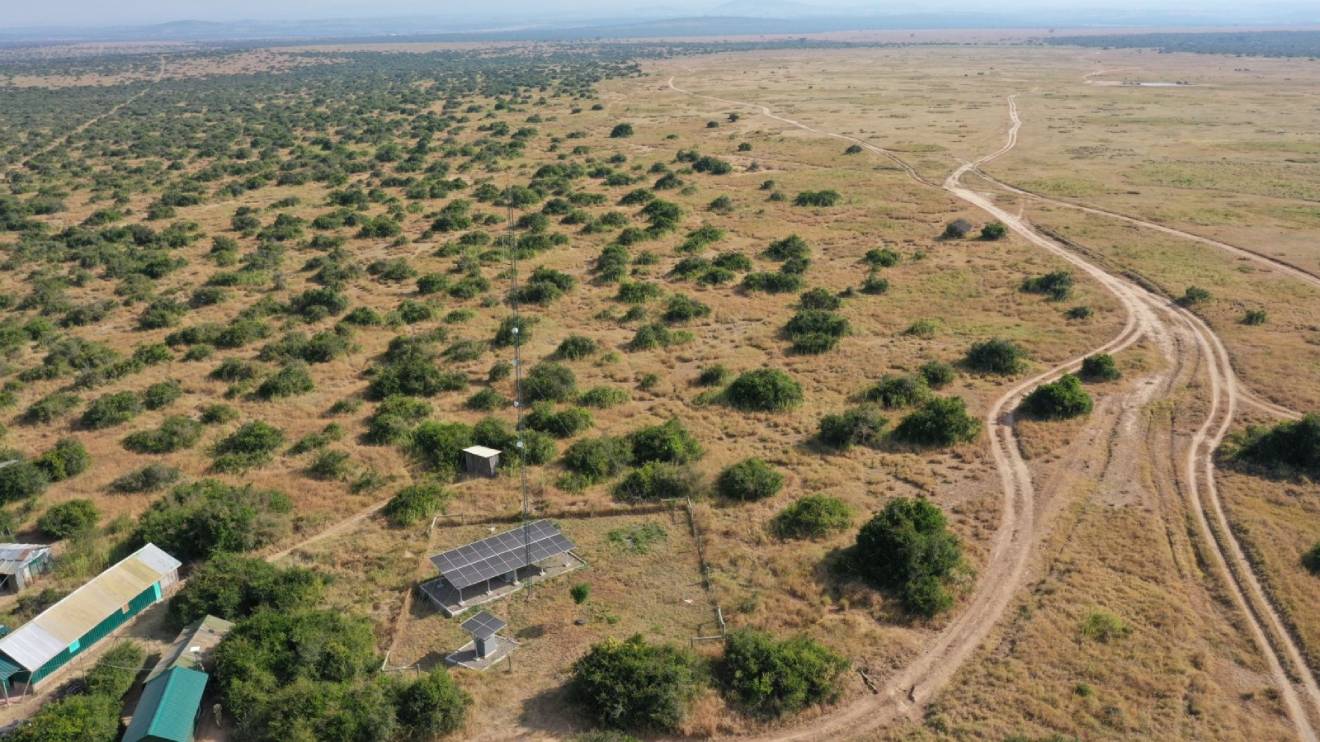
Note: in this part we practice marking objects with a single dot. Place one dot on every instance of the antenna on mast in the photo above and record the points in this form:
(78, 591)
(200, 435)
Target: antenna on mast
(517, 369)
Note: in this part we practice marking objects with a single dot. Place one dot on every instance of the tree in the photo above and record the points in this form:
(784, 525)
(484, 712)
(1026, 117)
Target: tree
(813, 516)
(1059, 400)
(1057, 285)
(634, 685)
(996, 356)
(550, 382)
(749, 479)
(771, 678)
(669, 442)
(907, 547)
(431, 705)
(68, 518)
(898, 391)
(942, 421)
(621, 131)
(234, 587)
(68, 458)
(764, 390)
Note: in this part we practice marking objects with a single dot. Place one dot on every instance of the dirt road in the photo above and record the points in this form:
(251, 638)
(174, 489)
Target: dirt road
(1188, 344)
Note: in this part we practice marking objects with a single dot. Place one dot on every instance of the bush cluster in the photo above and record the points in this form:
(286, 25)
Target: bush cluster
(813, 516)
(764, 390)
(942, 421)
(1058, 400)
(908, 548)
(634, 685)
(195, 521)
(749, 479)
(234, 587)
(771, 677)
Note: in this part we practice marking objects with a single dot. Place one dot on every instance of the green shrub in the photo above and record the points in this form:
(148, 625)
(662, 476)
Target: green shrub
(716, 375)
(110, 410)
(234, 587)
(922, 328)
(329, 465)
(908, 548)
(68, 518)
(996, 356)
(67, 459)
(1290, 447)
(161, 395)
(682, 308)
(658, 480)
(764, 390)
(548, 381)
(621, 131)
(439, 446)
(874, 285)
(813, 516)
(289, 381)
(881, 258)
(860, 426)
(634, 685)
(817, 198)
(937, 374)
(1194, 295)
(1100, 367)
(395, 418)
(147, 479)
(820, 299)
(1078, 312)
(1103, 627)
(1254, 317)
(431, 706)
(218, 414)
(115, 671)
(576, 347)
(250, 446)
(815, 330)
(772, 283)
(993, 231)
(656, 335)
(558, 423)
(1057, 285)
(73, 717)
(603, 397)
(1059, 400)
(939, 422)
(1311, 559)
(749, 479)
(21, 480)
(50, 408)
(487, 400)
(597, 459)
(580, 592)
(196, 521)
(513, 330)
(669, 442)
(415, 503)
(771, 678)
(898, 391)
(174, 434)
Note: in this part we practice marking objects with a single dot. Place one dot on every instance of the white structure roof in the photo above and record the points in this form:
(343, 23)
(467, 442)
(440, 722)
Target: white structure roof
(481, 451)
(36, 642)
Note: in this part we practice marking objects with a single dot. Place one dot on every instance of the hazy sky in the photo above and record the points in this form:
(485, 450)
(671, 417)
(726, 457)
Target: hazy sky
(18, 13)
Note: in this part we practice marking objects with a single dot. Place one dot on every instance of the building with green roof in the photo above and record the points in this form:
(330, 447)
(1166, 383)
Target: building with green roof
(168, 709)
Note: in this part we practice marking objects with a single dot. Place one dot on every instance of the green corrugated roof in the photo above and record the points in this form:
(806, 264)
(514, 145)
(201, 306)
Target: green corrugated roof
(168, 707)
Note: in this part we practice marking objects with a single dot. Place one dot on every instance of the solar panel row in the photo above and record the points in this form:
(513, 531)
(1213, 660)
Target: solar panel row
(501, 554)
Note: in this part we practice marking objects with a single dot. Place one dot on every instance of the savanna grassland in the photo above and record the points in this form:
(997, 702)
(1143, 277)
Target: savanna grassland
(253, 295)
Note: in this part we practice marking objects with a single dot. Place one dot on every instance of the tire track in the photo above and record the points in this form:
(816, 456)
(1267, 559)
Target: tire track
(1148, 315)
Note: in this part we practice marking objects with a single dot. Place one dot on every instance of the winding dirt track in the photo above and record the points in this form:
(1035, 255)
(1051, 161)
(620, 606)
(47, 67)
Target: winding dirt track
(1189, 344)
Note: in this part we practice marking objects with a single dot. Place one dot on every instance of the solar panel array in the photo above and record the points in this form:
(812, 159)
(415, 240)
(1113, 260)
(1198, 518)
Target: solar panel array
(501, 554)
(483, 625)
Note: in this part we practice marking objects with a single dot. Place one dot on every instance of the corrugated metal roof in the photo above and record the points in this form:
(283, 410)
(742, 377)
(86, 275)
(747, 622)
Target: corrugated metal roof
(201, 635)
(168, 706)
(34, 643)
(14, 556)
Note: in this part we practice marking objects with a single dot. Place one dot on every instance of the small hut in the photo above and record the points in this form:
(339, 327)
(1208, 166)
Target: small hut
(481, 461)
(20, 564)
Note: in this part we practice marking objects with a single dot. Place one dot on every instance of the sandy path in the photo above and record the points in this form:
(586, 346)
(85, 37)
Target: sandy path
(1167, 325)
